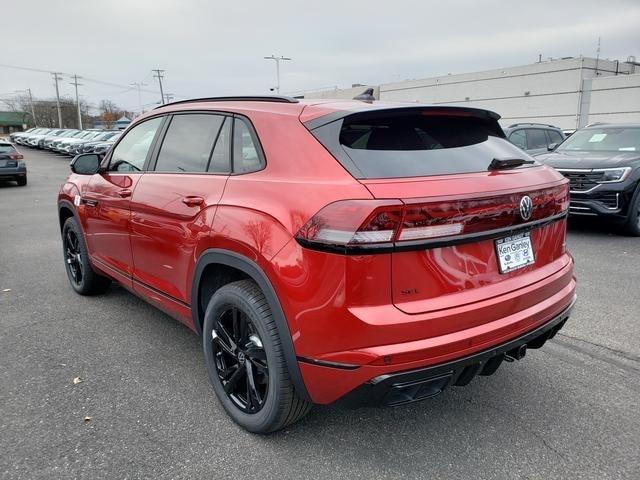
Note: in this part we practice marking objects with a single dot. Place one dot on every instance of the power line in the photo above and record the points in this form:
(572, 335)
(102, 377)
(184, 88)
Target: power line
(86, 79)
(159, 76)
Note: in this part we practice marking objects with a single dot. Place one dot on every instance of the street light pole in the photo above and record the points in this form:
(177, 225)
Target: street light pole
(138, 85)
(277, 60)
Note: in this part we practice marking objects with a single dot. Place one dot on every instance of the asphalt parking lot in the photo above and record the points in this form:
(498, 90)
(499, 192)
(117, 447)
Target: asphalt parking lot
(569, 410)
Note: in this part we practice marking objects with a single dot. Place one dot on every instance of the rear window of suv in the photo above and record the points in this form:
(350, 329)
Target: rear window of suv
(412, 142)
(6, 148)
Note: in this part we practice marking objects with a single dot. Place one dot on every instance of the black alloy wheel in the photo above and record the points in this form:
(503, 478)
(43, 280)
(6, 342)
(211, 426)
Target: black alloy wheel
(245, 360)
(73, 257)
(240, 360)
(83, 279)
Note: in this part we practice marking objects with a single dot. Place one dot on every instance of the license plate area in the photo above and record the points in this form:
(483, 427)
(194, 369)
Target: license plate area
(514, 252)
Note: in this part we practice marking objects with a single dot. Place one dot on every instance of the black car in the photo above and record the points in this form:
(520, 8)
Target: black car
(602, 163)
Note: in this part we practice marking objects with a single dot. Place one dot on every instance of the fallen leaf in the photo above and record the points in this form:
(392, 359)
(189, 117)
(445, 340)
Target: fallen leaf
(87, 419)
(77, 380)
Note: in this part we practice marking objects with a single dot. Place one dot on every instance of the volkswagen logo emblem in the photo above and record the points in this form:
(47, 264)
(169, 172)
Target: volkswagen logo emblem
(526, 207)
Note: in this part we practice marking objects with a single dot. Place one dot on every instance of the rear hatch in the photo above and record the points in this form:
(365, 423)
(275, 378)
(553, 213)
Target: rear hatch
(470, 215)
(9, 156)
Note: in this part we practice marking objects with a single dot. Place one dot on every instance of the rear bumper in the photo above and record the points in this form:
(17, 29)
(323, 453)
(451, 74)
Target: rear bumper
(330, 377)
(410, 386)
(12, 172)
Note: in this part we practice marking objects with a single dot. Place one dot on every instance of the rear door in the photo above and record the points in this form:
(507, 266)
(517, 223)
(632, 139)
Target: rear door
(175, 201)
(468, 231)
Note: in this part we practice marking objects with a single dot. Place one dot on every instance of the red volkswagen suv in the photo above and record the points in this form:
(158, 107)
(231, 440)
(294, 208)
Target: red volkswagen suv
(326, 251)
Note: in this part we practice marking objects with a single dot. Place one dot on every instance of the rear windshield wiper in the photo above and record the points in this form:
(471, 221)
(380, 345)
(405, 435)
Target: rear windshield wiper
(504, 163)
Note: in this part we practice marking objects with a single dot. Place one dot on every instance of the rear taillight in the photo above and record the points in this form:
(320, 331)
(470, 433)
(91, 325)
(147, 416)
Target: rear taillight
(366, 225)
(16, 156)
(352, 223)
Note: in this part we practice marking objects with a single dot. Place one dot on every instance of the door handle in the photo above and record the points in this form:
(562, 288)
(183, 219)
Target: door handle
(124, 193)
(193, 201)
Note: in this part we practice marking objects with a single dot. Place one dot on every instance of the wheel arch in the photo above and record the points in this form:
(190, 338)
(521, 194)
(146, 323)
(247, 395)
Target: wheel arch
(249, 269)
(66, 210)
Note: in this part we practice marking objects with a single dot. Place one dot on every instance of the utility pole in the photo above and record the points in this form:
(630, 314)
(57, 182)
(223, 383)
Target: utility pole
(277, 60)
(76, 84)
(33, 112)
(139, 85)
(159, 76)
(169, 97)
(57, 77)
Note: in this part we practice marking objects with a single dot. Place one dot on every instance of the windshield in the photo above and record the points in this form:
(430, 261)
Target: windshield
(618, 139)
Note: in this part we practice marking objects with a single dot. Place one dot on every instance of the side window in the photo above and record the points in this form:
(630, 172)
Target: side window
(188, 143)
(131, 153)
(519, 139)
(221, 156)
(536, 138)
(246, 153)
(554, 136)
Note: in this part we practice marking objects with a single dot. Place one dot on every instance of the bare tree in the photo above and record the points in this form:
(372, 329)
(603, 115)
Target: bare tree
(109, 113)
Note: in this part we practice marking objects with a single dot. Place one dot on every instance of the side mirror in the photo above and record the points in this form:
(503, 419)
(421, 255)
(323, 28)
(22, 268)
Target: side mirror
(85, 164)
(552, 146)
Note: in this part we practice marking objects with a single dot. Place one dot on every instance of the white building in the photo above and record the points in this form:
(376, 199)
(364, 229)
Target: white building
(569, 92)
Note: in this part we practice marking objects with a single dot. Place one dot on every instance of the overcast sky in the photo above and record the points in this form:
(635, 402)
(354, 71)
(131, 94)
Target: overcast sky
(214, 47)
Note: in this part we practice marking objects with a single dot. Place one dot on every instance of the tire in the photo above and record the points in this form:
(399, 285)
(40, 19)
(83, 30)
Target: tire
(84, 280)
(21, 181)
(241, 370)
(632, 225)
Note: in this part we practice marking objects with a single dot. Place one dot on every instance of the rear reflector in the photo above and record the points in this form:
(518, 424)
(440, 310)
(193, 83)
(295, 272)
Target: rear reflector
(384, 224)
(408, 233)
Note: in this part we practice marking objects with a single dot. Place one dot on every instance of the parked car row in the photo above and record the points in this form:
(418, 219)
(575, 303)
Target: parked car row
(68, 141)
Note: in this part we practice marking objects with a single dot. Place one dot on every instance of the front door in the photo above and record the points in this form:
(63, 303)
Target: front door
(107, 200)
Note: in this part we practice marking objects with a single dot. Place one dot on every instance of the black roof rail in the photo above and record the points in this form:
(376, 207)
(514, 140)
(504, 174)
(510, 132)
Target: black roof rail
(241, 98)
(531, 123)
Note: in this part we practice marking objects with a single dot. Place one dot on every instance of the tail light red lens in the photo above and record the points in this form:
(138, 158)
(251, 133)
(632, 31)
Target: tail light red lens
(384, 223)
(353, 222)
(16, 156)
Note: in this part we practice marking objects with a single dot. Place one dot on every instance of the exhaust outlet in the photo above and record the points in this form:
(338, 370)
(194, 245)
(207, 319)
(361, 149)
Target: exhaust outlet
(517, 353)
